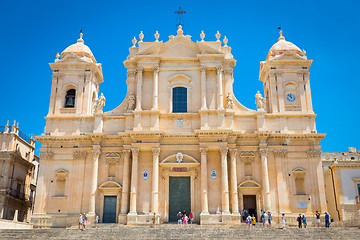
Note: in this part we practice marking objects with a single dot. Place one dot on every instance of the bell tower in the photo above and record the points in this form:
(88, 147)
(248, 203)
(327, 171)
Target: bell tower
(75, 81)
(285, 77)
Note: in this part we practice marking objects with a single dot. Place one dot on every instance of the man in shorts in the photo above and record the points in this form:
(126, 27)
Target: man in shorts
(263, 219)
(318, 221)
(269, 218)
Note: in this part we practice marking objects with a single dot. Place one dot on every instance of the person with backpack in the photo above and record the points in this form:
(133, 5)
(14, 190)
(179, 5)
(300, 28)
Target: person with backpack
(253, 221)
(80, 221)
(304, 221)
(263, 219)
(248, 220)
(84, 221)
(318, 221)
(179, 218)
(299, 220)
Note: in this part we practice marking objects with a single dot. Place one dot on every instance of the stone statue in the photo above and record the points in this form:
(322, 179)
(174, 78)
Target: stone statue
(131, 102)
(260, 101)
(229, 101)
(99, 103)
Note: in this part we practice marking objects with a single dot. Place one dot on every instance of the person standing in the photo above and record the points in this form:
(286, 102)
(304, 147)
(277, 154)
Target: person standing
(154, 220)
(304, 221)
(318, 222)
(269, 218)
(253, 221)
(299, 219)
(84, 221)
(96, 220)
(185, 219)
(263, 219)
(191, 216)
(179, 217)
(248, 220)
(283, 220)
(80, 221)
(327, 220)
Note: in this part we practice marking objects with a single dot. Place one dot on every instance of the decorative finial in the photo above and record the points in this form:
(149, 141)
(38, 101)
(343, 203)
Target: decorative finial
(225, 40)
(180, 31)
(14, 122)
(280, 32)
(81, 35)
(141, 36)
(7, 123)
(134, 41)
(218, 35)
(17, 124)
(202, 36)
(304, 52)
(32, 136)
(57, 55)
(157, 35)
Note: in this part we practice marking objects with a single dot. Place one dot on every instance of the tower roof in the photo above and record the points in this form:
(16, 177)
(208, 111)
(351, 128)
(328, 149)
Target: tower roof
(80, 49)
(282, 46)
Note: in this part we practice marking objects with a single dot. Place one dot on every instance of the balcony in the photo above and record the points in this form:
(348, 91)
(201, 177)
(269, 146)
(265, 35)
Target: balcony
(18, 195)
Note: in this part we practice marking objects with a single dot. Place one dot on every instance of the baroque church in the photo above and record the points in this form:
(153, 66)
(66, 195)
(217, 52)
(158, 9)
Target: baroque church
(180, 140)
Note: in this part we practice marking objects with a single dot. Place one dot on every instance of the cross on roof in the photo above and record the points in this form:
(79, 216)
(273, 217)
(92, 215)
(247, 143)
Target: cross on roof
(179, 17)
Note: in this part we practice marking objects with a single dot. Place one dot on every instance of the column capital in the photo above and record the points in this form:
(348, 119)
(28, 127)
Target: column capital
(314, 153)
(135, 151)
(223, 150)
(280, 153)
(233, 152)
(219, 69)
(47, 155)
(131, 72)
(203, 68)
(155, 69)
(139, 69)
(203, 150)
(263, 150)
(228, 72)
(126, 152)
(156, 151)
(96, 153)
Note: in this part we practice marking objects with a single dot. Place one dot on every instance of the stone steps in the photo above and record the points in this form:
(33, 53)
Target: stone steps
(172, 231)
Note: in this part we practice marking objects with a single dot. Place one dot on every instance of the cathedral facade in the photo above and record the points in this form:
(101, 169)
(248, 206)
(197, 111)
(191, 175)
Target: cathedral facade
(180, 140)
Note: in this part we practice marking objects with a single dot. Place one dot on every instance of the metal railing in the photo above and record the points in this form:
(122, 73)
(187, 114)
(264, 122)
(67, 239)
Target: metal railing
(19, 195)
(23, 136)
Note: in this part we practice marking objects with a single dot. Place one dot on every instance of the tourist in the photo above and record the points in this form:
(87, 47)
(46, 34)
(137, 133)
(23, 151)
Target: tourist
(80, 221)
(304, 221)
(84, 221)
(299, 219)
(263, 219)
(248, 220)
(154, 220)
(327, 220)
(183, 213)
(318, 222)
(96, 220)
(179, 217)
(283, 220)
(191, 216)
(185, 219)
(253, 221)
(243, 215)
(269, 218)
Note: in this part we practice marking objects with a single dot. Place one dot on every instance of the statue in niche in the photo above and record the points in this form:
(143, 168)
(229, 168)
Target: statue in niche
(131, 102)
(229, 101)
(99, 103)
(260, 101)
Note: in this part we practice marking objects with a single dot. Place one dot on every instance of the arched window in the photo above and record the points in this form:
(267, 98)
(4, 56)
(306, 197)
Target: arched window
(179, 99)
(70, 98)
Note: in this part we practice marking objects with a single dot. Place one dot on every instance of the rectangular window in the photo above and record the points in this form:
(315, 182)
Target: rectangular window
(179, 100)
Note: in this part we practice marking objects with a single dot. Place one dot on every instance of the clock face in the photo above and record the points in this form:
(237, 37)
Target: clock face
(290, 97)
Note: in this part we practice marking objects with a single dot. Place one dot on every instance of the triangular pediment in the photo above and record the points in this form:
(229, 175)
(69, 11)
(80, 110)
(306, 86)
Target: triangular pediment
(179, 47)
(289, 55)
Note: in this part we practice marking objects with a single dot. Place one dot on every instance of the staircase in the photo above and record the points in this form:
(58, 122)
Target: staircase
(173, 231)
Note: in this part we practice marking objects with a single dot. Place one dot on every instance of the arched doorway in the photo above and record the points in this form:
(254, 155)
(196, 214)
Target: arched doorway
(249, 194)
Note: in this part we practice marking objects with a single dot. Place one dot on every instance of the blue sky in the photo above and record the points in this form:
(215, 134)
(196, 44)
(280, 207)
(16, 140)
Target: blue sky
(32, 32)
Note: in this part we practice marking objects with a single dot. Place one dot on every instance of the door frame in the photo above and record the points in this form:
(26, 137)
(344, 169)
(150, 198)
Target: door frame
(109, 188)
(250, 187)
(168, 195)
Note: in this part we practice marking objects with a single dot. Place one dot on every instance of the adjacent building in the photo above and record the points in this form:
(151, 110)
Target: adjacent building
(18, 173)
(180, 140)
(342, 183)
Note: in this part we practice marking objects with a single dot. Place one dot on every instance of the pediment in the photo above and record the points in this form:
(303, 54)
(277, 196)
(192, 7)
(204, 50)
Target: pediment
(289, 55)
(249, 184)
(110, 185)
(71, 57)
(179, 49)
(298, 170)
(187, 159)
(61, 173)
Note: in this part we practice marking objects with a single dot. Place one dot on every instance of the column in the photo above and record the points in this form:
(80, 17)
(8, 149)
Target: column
(94, 179)
(233, 186)
(266, 184)
(224, 181)
(139, 88)
(134, 172)
(204, 185)
(220, 104)
(283, 190)
(203, 88)
(156, 88)
(155, 181)
(126, 182)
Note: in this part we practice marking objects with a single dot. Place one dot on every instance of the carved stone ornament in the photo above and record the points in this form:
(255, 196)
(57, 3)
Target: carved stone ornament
(233, 152)
(179, 157)
(80, 155)
(229, 102)
(113, 155)
(156, 151)
(203, 150)
(126, 153)
(223, 150)
(47, 155)
(131, 73)
(263, 151)
(259, 101)
(135, 152)
(314, 153)
(280, 153)
(131, 102)
(96, 154)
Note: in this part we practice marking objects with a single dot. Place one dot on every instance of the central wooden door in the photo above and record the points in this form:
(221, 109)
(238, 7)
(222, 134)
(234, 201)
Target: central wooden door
(179, 196)
(109, 214)
(250, 204)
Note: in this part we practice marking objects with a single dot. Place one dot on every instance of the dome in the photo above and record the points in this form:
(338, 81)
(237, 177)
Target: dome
(282, 46)
(79, 49)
